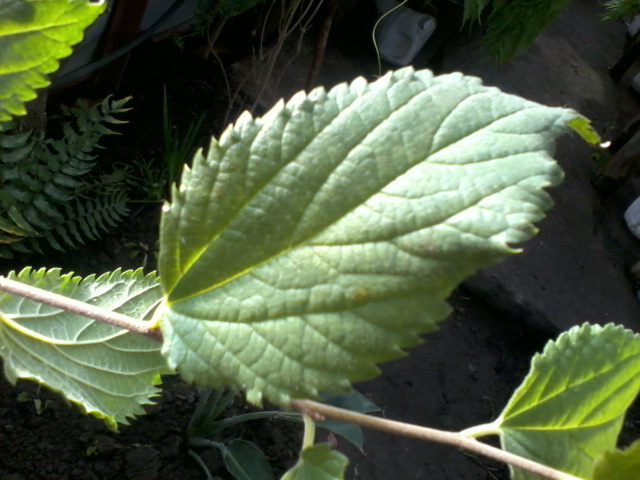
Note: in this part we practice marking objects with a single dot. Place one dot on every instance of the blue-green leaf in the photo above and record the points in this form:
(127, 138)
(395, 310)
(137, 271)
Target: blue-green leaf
(108, 371)
(321, 239)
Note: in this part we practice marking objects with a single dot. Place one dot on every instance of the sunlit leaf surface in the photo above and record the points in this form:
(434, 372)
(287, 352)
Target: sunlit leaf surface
(570, 408)
(34, 35)
(108, 371)
(321, 239)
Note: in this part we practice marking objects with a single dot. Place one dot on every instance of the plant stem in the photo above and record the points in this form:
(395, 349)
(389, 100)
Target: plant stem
(140, 327)
(455, 439)
(309, 431)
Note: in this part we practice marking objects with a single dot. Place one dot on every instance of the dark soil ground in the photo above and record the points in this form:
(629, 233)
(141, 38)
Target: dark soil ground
(461, 376)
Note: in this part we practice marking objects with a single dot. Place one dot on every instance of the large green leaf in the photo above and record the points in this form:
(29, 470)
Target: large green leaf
(318, 462)
(570, 408)
(108, 371)
(321, 239)
(619, 464)
(34, 35)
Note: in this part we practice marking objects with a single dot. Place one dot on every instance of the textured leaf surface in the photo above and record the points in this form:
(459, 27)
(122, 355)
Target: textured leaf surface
(321, 239)
(108, 371)
(619, 464)
(34, 35)
(318, 462)
(570, 408)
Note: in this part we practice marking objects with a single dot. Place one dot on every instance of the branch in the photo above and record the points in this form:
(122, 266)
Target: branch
(134, 325)
(318, 411)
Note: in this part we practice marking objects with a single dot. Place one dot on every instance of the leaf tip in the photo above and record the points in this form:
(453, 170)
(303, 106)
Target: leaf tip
(582, 127)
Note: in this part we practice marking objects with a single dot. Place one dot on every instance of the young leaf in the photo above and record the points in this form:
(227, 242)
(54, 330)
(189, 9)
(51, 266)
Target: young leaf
(315, 242)
(619, 464)
(34, 35)
(108, 371)
(570, 408)
(318, 462)
(245, 461)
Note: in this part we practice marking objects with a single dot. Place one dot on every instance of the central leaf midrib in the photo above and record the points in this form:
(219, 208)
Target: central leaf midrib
(306, 241)
(389, 295)
(567, 429)
(529, 408)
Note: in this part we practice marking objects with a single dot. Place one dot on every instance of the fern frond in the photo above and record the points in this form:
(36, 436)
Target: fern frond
(513, 26)
(89, 218)
(83, 219)
(473, 10)
(43, 183)
(15, 148)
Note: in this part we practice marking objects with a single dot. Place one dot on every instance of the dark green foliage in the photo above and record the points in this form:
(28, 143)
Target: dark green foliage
(231, 8)
(621, 8)
(513, 25)
(45, 192)
(473, 10)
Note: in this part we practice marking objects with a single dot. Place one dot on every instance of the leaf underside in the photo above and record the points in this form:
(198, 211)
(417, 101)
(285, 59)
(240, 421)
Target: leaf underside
(570, 408)
(34, 35)
(321, 239)
(108, 371)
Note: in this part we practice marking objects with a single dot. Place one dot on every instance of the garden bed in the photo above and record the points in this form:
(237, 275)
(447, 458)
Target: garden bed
(460, 376)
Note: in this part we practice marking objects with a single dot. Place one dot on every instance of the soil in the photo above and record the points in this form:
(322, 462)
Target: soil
(460, 376)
